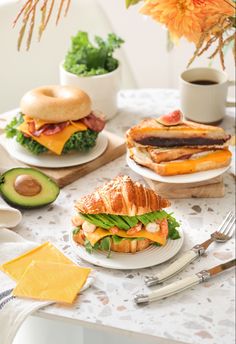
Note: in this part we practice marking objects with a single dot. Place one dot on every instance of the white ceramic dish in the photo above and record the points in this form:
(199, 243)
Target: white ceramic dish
(153, 255)
(53, 161)
(183, 178)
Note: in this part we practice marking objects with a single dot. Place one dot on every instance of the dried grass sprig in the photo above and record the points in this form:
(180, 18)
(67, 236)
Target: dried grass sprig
(28, 15)
(213, 34)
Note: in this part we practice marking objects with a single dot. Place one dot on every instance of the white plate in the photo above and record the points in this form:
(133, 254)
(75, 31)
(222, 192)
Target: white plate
(153, 255)
(183, 178)
(53, 161)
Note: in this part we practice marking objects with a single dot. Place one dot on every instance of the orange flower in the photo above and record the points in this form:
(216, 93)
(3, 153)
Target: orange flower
(187, 18)
(181, 17)
(215, 9)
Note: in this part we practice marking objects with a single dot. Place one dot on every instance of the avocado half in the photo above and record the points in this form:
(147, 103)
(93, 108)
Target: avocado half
(41, 189)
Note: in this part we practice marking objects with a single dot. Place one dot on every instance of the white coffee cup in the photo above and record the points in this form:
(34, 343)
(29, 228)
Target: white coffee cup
(204, 103)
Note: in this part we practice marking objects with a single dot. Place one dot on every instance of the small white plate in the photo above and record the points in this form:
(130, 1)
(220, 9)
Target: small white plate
(54, 161)
(183, 178)
(153, 255)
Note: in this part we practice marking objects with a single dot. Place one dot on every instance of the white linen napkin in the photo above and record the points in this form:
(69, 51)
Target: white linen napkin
(13, 311)
(9, 217)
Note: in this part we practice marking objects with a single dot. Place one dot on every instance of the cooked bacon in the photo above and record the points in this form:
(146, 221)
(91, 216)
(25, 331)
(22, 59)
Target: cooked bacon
(52, 129)
(47, 129)
(93, 122)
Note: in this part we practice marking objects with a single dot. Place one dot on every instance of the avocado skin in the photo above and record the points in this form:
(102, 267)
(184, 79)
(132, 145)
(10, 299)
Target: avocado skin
(40, 176)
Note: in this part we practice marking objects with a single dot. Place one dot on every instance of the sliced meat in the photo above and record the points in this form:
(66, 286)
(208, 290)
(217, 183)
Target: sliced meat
(93, 122)
(177, 142)
(47, 129)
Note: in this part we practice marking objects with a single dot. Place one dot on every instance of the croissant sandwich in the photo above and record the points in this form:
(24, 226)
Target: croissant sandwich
(170, 145)
(123, 216)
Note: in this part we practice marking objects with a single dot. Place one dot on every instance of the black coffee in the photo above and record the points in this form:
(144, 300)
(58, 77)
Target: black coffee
(203, 82)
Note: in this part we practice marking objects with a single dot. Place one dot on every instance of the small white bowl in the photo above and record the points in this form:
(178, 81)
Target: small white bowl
(102, 89)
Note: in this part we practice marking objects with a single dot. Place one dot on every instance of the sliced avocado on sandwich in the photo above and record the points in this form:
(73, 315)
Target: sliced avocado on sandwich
(123, 216)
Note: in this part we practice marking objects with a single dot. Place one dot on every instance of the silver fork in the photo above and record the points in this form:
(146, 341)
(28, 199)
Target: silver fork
(224, 233)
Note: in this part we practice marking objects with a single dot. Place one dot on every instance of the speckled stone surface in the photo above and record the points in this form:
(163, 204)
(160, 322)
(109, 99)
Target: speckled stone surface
(202, 314)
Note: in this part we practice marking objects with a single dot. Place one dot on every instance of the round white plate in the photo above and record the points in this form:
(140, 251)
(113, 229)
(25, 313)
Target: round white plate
(153, 255)
(183, 178)
(53, 161)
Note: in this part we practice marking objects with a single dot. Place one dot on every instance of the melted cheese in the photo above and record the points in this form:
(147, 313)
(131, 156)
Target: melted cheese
(55, 142)
(46, 252)
(51, 281)
(100, 233)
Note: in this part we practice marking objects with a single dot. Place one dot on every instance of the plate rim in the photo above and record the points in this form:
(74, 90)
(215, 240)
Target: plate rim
(109, 266)
(101, 136)
(142, 172)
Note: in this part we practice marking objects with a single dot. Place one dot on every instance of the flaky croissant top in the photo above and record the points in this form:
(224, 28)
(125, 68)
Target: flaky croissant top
(121, 196)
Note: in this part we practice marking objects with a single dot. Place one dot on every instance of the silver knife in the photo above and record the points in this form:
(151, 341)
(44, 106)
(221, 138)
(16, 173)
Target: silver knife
(183, 284)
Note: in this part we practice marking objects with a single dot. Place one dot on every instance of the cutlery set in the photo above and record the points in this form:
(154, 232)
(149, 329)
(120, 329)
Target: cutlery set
(225, 232)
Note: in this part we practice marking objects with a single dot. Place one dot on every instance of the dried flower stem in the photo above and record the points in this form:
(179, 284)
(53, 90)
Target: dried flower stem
(28, 14)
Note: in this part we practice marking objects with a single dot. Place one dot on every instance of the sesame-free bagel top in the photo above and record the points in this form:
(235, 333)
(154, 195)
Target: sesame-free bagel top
(56, 103)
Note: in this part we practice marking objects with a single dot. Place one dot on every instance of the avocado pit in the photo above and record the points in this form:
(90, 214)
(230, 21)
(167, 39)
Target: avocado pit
(26, 185)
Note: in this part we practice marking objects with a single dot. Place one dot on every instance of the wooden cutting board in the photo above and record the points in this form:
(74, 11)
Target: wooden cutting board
(64, 176)
(211, 188)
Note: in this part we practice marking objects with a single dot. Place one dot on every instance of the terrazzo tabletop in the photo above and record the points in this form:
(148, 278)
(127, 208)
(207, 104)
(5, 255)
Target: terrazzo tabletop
(202, 314)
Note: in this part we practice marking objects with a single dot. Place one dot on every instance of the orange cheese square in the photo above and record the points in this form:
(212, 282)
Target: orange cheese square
(46, 252)
(51, 281)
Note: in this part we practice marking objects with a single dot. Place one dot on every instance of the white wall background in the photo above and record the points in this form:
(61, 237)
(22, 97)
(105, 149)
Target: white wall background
(152, 65)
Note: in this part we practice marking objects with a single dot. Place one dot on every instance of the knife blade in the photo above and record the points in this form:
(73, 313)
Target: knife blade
(183, 284)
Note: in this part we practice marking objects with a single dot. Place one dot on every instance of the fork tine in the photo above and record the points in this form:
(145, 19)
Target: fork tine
(230, 228)
(223, 228)
(226, 218)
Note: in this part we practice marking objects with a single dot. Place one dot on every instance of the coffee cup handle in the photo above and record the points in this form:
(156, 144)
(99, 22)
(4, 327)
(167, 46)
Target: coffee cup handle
(231, 103)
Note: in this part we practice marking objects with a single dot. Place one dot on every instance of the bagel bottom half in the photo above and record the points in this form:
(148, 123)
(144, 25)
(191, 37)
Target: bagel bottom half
(125, 246)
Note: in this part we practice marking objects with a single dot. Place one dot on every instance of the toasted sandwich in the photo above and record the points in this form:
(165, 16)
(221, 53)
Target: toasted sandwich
(178, 148)
(123, 216)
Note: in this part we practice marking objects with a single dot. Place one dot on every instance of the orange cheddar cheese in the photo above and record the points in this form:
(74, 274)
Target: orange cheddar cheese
(51, 281)
(46, 252)
(100, 233)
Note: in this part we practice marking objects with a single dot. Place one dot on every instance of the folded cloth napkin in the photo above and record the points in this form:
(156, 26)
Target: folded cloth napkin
(13, 311)
(9, 217)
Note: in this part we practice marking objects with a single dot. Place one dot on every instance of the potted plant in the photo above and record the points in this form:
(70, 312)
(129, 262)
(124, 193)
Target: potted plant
(93, 68)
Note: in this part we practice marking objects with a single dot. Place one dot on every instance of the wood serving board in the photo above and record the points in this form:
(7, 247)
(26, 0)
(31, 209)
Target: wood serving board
(211, 188)
(64, 176)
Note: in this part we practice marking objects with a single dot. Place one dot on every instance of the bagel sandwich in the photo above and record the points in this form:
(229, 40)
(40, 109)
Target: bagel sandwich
(56, 119)
(170, 145)
(123, 216)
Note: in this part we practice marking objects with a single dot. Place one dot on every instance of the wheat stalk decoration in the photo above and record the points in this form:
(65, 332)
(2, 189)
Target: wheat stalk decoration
(27, 15)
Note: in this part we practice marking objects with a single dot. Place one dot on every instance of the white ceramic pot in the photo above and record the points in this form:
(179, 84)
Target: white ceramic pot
(102, 89)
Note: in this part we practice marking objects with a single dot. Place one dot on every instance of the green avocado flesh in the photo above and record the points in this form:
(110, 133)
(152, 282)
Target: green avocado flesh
(107, 221)
(48, 193)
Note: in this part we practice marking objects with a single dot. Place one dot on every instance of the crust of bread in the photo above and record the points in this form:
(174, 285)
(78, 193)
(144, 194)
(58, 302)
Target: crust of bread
(56, 103)
(187, 129)
(121, 196)
(216, 159)
(125, 246)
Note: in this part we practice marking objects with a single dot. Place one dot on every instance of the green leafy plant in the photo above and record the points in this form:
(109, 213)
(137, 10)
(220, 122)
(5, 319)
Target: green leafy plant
(86, 58)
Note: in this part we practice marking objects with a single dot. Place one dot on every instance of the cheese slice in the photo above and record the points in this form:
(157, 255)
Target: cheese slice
(55, 142)
(51, 281)
(37, 122)
(100, 233)
(46, 252)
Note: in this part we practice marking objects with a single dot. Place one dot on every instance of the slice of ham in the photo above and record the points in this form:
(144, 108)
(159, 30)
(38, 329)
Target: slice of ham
(93, 122)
